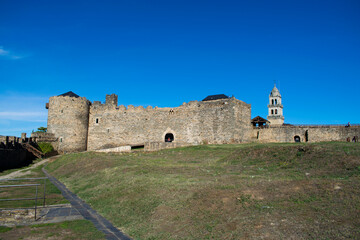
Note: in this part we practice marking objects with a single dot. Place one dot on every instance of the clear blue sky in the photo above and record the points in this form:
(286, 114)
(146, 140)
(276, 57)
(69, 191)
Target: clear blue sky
(164, 53)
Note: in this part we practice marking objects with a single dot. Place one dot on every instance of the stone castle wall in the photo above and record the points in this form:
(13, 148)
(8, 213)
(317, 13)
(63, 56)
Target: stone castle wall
(219, 121)
(306, 133)
(78, 125)
(68, 119)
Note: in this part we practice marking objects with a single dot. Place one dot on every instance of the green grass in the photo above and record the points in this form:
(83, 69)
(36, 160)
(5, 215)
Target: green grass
(53, 195)
(4, 229)
(250, 191)
(6, 172)
(79, 229)
(45, 147)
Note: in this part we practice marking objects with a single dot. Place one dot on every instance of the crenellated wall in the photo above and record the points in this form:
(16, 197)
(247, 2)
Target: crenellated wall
(78, 125)
(218, 121)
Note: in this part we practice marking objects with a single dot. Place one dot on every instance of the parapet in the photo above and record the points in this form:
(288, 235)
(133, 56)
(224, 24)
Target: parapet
(112, 101)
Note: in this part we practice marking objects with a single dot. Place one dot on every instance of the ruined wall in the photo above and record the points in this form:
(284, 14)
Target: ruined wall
(68, 119)
(314, 133)
(219, 121)
(12, 154)
(156, 146)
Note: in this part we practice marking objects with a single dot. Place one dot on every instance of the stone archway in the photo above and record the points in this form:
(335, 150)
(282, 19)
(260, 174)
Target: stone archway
(169, 137)
(297, 138)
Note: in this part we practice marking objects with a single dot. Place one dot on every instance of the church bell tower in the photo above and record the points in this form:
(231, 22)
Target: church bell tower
(275, 108)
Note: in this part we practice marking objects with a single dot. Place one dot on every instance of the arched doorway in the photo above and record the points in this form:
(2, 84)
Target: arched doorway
(297, 138)
(169, 137)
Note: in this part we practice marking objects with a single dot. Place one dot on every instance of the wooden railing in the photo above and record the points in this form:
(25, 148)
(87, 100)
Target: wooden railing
(33, 150)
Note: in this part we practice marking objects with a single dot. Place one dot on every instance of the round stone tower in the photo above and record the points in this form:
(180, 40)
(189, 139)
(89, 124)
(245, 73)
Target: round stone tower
(68, 120)
(275, 107)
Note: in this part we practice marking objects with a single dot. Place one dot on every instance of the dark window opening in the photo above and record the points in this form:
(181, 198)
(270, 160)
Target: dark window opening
(169, 137)
(297, 138)
(97, 120)
(275, 101)
(306, 136)
(138, 147)
(272, 111)
(60, 139)
(272, 101)
(275, 111)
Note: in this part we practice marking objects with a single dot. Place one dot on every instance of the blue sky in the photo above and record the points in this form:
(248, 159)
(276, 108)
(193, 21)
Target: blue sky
(164, 53)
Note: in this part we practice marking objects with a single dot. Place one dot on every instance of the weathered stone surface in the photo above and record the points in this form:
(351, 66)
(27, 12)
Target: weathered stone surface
(68, 119)
(79, 125)
(219, 121)
(155, 146)
(117, 149)
(306, 133)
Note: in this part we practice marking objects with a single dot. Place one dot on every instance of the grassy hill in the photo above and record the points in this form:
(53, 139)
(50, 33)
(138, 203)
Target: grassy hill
(246, 191)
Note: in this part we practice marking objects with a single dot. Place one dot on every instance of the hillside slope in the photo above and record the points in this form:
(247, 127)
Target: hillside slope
(247, 191)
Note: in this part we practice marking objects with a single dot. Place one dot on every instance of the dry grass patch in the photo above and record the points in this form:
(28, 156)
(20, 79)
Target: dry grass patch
(247, 191)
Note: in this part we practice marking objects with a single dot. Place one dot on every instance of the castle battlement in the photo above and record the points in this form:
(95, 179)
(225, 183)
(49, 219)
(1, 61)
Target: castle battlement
(81, 125)
(97, 106)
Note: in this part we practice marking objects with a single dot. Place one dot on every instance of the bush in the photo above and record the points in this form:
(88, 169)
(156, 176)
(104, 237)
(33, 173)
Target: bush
(45, 147)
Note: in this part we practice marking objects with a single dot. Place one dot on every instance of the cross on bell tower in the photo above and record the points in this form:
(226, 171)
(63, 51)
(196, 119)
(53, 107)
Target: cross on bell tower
(275, 108)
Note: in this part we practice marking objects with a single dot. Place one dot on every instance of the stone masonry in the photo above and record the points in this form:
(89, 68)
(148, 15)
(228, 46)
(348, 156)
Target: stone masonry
(79, 125)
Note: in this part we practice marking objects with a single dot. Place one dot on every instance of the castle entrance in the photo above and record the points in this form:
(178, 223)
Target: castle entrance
(297, 138)
(169, 137)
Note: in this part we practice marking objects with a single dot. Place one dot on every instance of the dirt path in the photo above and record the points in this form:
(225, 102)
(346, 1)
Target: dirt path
(26, 171)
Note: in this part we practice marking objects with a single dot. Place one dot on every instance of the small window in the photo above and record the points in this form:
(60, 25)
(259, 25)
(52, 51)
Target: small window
(275, 111)
(272, 101)
(61, 139)
(275, 101)
(272, 111)
(97, 121)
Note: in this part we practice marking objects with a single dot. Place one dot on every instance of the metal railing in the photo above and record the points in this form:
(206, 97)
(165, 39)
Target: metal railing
(26, 185)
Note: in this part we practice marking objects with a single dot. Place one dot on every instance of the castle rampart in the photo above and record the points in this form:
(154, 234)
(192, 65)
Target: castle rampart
(314, 133)
(219, 121)
(79, 125)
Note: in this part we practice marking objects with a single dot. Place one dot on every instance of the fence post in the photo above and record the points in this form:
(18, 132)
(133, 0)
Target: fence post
(36, 200)
(44, 190)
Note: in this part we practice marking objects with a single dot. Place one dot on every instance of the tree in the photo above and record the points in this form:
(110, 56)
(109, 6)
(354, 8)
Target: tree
(42, 129)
